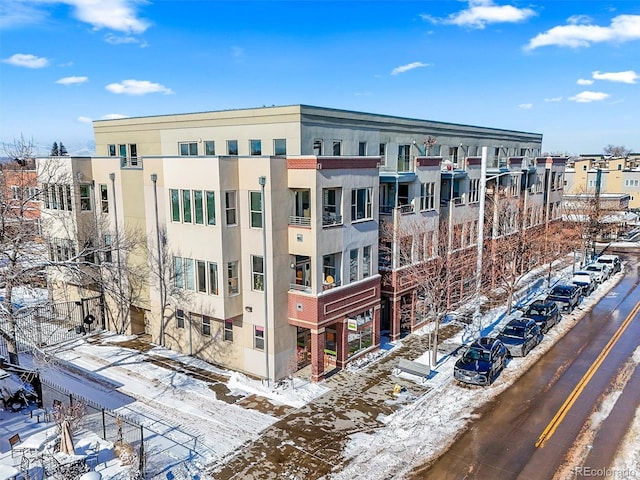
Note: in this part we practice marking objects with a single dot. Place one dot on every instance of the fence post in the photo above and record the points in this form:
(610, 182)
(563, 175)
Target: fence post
(71, 399)
(141, 455)
(104, 426)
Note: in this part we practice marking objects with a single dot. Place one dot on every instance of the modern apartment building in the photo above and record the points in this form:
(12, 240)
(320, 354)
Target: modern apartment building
(616, 175)
(269, 222)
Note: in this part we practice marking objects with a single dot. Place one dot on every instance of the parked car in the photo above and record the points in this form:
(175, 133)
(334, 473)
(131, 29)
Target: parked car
(481, 362)
(520, 336)
(544, 312)
(612, 260)
(566, 296)
(600, 271)
(585, 282)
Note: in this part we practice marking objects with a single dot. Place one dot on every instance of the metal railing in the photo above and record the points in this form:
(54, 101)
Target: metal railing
(331, 218)
(299, 221)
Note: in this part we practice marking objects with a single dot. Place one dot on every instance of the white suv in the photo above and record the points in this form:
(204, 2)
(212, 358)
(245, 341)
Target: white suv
(600, 271)
(613, 261)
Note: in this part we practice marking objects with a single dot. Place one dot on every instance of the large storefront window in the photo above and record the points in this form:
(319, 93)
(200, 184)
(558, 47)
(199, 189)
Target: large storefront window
(360, 332)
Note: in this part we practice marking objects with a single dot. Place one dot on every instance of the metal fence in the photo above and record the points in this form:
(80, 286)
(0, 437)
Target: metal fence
(108, 425)
(46, 325)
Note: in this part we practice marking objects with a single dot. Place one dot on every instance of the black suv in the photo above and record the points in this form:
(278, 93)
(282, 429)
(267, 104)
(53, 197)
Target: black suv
(566, 296)
(481, 362)
(544, 312)
(520, 336)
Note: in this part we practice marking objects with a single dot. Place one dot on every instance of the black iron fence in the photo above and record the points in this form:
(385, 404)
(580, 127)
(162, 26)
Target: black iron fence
(123, 432)
(47, 325)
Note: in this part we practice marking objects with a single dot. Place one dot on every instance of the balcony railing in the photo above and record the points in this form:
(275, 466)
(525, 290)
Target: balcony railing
(331, 218)
(131, 162)
(404, 164)
(299, 288)
(299, 221)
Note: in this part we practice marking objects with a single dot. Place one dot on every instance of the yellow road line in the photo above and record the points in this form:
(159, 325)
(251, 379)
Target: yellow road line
(568, 403)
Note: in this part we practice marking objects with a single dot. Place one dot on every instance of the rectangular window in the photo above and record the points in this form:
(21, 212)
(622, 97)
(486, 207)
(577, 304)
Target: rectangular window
(69, 197)
(474, 190)
(178, 272)
(232, 275)
(45, 194)
(353, 265)
(337, 148)
(331, 270)
(189, 148)
(104, 198)
(213, 278)
(280, 146)
(201, 270)
(228, 330)
(61, 196)
(331, 214)
(112, 150)
(85, 197)
(54, 197)
(362, 149)
(366, 261)
(186, 206)
(258, 337)
(232, 147)
(189, 280)
(206, 326)
(123, 153)
(175, 205)
(180, 318)
(230, 207)
(133, 152)
(255, 147)
(211, 208)
(255, 209)
(107, 248)
(361, 207)
(198, 207)
(317, 147)
(15, 192)
(209, 147)
(428, 196)
(257, 273)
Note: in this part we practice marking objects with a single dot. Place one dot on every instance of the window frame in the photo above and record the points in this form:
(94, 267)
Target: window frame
(210, 195)
(212, 277)
(258, 337)
(255, 147)
(201, 276)
(198, 212)
(186, 206)
(176, 211)
(104, 197)
(191, 149)
(255, 216)
(233, 278)
(206, 325)
(257, 273)
(180, 318)
(228, 330)
(231, 209)
(279, 146)
(234, 144)
(354, 267)
(363, 205)
(210, 148)
(84, 192)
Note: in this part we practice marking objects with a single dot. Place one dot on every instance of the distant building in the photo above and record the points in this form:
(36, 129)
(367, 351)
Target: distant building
(332, 180)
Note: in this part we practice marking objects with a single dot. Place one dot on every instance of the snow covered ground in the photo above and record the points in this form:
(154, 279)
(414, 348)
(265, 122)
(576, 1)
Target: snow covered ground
(190, 423)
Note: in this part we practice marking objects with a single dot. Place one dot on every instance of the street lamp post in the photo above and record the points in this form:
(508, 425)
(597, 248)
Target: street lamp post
(480, 239)
(262, 180)
(154, 179)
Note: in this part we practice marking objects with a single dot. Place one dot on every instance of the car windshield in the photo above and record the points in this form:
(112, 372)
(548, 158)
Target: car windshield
(535, 311)
(474, 354)
(562, 290)
(513, 331)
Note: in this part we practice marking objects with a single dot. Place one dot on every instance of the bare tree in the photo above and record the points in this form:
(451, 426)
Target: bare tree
(437, 264)
(616, 150)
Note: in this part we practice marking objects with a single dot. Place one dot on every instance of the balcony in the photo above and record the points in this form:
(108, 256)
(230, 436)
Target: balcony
(299, 221)
(331, 218)
(131, 163)
(405, 164)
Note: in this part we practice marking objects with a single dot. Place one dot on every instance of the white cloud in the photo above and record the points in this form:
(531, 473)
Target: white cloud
(72, 80)
(588, 97)
(118, 15)
(526, 106)
(137, 87)
(26, 60)
(483, 12)
(623, 28)
(584, 81)
(553, 99)
(83, 119)
(120, 40)
(113, 116)
(628, 76)
(407, 67)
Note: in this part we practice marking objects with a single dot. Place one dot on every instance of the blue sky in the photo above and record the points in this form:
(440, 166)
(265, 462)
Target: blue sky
(567, 69)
